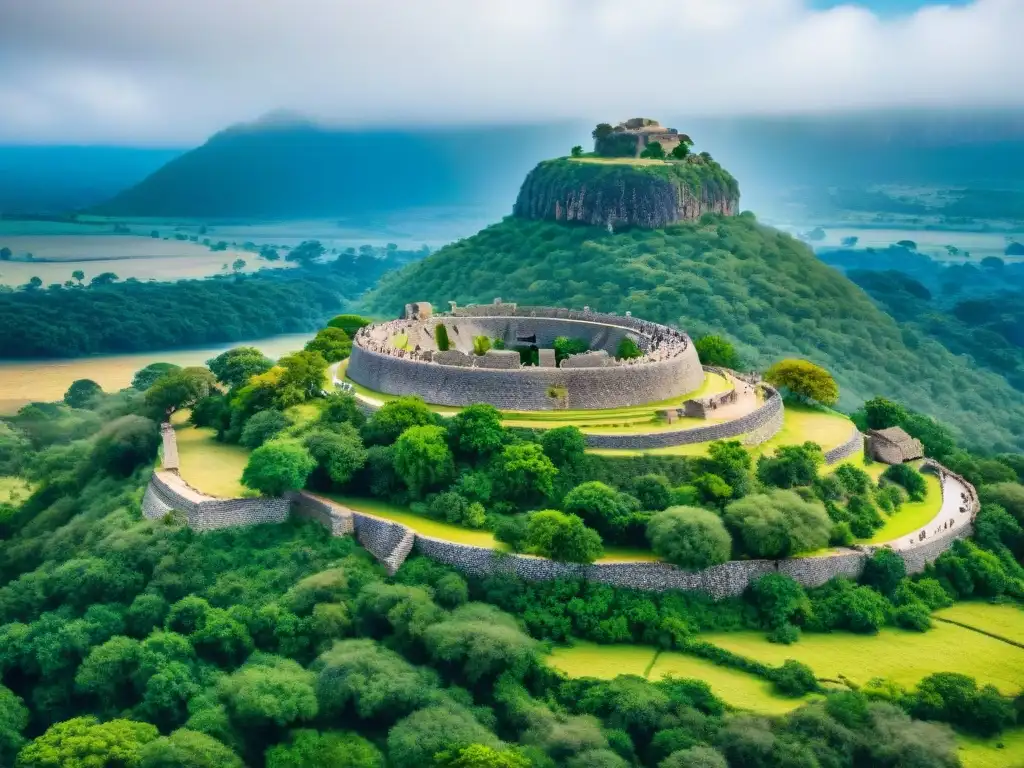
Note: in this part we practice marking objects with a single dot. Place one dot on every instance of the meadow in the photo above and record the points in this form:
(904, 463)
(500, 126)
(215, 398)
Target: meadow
(48, 380)
(1004, 750)
(13, 489)
(1006, 620)
(903, 656)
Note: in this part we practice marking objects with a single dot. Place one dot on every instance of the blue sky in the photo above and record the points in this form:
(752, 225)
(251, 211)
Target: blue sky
(174, 71)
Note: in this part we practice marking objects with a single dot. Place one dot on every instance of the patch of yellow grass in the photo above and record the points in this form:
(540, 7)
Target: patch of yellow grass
(209, 466)
(14, 490)
(900, 655)
(618, 160)
(987, 753)
(1005, 620)
(419, 523)
(605, 662)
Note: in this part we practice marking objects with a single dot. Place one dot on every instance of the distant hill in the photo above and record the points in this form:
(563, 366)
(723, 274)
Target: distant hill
(54, 179)
(291, 168)
(722, 274)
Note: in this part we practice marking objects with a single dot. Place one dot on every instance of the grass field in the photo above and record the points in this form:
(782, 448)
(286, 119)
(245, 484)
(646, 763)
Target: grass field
(738, 689)
(1006, 620)
(618, 160)
(209, 466)
(986, 753)
(48, 380)
(14, 489)
(900, 655)
(912, 515)
(144, 258)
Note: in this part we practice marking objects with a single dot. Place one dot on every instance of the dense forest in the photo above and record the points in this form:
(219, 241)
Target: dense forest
(764, 289)
(140, 644)
(135, 316)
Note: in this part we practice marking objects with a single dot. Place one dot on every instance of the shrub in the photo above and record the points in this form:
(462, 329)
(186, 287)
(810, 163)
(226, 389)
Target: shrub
(125, 444)
(792, 465)
(564, 537)
(513, 530)
(805, 380)
(423, 460)
(718, 351)
(278, 466)
(601, 507)
(652, 491)
(441, 337)
(627, 349)
(884, 571)
(909, 478)
(481, 344)
(778, 524)
(263, 426)
(794, 679)
(913, 616)
(350, 324)
(689, 537)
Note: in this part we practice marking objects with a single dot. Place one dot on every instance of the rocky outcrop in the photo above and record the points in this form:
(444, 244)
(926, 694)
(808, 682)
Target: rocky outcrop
(623, 195)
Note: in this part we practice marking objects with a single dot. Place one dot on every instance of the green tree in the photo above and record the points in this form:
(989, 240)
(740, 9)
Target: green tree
(602, 131)
(884, 571)
(423, 460)
(147, 377)
(778, 524)
(13, 721)
(627, 349)
(84, 741)
(729, 460)
(81, 392)
(694, 757)
(414, 741)
(307, 748)
(262, 427)
(277, 467)
(104, 278)
(565, 446)
(396, 416)
(909, 479)
(791, 466)
(681, 150)
(881, 413)
(188, 749)
(563, 537)
(717, 350)
(125, 444)
(483, 642)
(180, 389)
(690, 537)
(5, 254)
(304, 376)
(333, 343)
(236, 366)
(523, 473)
(350, 324)
(601, 507)
(269, 691)
(564, 347)
(106, 673)
(476, 431)
(780, 600)
(238, 265)
(652, 491)
(338, 452)
(306, 252)
(653, 151)
(481, 344)
(805, 380)
(441, 337)
(576, 151)
(480, 756)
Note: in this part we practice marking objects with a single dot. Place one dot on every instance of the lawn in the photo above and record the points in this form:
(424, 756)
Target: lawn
(1005, 620)
(735, 688)
(14, 489)
(985, 753)
(424, 525)
(912, 515)
(209, 466)
(48, 380)
(618, 160)
(900, 655)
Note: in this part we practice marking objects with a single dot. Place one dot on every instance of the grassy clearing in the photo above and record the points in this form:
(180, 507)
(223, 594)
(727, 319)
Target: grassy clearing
(606, 662)
(735, 688)
(47, 380)
(912, 515)
(419, 523)
(618, 160)
(987, 753)
(14, 490)
(1005, 620)
(209, 466)
(903, 656)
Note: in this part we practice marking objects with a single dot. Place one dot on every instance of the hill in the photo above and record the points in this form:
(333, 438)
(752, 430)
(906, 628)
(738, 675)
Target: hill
(627, 191)
(291, 168)
(730, 275)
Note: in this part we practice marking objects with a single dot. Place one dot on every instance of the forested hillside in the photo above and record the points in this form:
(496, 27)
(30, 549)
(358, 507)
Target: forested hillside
(764, 289)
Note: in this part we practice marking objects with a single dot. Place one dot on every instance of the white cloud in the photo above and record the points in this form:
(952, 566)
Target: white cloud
(173, 71)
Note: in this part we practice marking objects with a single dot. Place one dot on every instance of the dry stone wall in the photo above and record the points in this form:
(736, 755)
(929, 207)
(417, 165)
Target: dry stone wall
(167, 491)
(854, 445)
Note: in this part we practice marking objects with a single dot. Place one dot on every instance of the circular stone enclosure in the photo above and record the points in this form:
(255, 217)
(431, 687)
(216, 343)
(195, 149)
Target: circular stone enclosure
(456, 377)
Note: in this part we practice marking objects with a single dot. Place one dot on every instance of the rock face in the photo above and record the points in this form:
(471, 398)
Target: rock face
(620, 194)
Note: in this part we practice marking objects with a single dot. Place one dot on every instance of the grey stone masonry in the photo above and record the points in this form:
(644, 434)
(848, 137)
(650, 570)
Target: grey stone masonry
(169, 460)
(338, 520)
(854, 445)
(167, 491)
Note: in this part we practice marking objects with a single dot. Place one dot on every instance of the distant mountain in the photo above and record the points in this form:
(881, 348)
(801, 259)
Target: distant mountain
(285, 167)
(41, 179)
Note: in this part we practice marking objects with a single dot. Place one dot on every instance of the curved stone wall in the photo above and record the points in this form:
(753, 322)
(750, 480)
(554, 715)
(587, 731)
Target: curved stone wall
(527, 389)
(167, 491)
(854, 445)
(756, 427)
(670, 367)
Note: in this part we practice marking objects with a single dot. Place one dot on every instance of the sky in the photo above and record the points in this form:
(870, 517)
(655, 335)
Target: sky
(172, 72)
